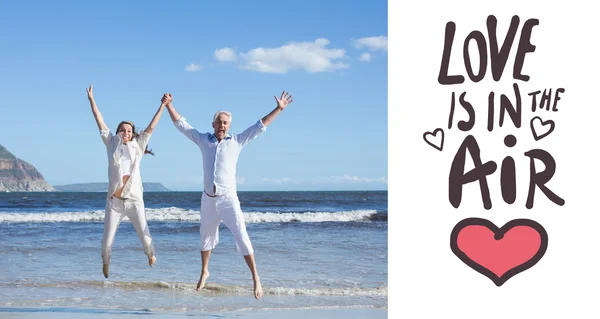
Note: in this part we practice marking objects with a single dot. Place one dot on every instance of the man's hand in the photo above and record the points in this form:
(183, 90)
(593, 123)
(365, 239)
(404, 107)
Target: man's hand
(90, 93)
(167, 99)
(282, 103)
(284, 100)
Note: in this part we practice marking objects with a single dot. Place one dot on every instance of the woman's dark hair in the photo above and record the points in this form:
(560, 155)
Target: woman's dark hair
(135, 134)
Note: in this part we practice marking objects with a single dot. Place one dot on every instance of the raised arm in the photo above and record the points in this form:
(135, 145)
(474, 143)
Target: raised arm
(181, 124)
(282, 103)
(97, 115)
(172, 112)
(157, 116)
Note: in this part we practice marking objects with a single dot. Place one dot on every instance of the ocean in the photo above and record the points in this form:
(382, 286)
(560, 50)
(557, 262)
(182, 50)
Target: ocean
(313, 250)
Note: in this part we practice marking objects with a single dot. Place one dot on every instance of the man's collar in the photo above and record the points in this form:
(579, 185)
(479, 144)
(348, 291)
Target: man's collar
(213, 137)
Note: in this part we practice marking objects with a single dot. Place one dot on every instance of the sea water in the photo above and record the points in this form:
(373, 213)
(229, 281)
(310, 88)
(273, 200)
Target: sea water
(312, 250)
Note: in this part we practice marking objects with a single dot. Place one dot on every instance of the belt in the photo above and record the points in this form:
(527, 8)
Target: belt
(212, 195)
(121, 198)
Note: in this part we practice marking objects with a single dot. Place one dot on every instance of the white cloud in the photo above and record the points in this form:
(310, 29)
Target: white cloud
(312, 57)
(193, 67)
(278, 181)
(365, 57)
(225, 55)
(356, 179)
(372, 43)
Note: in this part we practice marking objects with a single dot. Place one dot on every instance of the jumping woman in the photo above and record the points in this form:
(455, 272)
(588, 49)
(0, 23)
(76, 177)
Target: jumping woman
(125, 193)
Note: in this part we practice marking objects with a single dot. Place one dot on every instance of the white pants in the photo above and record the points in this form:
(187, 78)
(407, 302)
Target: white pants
(116, 210)
(224, 208)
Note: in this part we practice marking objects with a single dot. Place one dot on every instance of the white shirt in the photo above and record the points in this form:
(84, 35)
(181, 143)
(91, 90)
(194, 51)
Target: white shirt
(219, 159)
(125, 162)
(115, 149)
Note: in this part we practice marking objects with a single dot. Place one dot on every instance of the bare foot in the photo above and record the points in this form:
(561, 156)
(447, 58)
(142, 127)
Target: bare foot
(105, 270)
(258, 292)
(202, 280)
(151, 261)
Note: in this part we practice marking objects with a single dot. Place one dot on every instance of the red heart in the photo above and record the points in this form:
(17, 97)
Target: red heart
(499, 253)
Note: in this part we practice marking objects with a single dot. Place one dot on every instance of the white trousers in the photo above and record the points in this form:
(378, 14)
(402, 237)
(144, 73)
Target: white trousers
(116, 209)
(225, 208)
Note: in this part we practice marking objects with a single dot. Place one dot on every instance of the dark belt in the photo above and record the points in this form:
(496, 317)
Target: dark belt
(212, 195)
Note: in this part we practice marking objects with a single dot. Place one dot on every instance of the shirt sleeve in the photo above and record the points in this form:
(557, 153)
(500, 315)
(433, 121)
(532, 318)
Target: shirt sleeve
(143, 139)
(184, 127)
(106, 136)
(251, 133)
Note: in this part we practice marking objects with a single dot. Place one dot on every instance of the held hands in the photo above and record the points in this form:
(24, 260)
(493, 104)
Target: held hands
(166, 99)
(284, 100)
(90, 93)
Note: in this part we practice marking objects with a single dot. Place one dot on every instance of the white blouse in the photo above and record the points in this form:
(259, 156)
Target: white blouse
(125, 161)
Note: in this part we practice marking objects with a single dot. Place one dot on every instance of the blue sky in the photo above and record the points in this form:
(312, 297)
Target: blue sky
(232, 55)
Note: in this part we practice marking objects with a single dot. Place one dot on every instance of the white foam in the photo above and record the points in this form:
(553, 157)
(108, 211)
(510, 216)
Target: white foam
(356, 291)
(175, 214)
(380, 291)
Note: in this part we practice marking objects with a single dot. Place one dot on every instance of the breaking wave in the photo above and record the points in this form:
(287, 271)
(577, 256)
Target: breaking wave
(174, 214)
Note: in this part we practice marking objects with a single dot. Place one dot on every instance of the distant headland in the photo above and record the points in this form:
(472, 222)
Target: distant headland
(16, 175)
(102, 187)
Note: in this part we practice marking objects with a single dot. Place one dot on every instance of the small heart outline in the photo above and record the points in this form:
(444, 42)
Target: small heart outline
(434, 134)
(544, 123)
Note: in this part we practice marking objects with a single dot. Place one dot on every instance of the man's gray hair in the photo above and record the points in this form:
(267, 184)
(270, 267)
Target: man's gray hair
(222, 112)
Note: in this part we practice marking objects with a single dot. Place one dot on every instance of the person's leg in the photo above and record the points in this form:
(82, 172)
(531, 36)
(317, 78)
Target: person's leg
(113, 215)
(233, 218)
(209, 235)
(258, 292)
(204, 272)
(136, 213)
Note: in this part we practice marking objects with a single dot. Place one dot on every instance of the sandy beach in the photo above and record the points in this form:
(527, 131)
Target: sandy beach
(72, 313)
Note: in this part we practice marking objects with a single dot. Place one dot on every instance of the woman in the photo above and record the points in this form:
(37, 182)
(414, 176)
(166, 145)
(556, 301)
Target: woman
(125, 193)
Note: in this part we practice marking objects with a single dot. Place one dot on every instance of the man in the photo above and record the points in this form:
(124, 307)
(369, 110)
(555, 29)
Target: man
(220, 152)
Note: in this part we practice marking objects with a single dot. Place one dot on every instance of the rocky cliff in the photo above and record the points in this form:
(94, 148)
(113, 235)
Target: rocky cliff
(16, 175)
